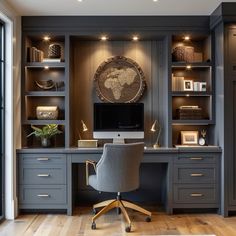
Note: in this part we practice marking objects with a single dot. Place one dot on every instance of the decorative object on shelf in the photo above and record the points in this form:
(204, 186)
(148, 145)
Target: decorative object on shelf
(156, 128)
(119, 79)
(177, 83)
(45, 133)
(85, 143)
(188, 85)
(202, 139)
(47, 112)
(54, 50)
(50, 84)
(189, 113)
(189, 137)
(34, 54)
(203, 86)
(45, 84)
(182, 53)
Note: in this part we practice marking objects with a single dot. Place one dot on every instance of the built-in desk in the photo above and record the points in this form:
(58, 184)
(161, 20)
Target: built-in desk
(46, 176)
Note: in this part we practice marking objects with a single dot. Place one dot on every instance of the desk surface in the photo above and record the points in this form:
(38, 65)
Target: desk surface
(99, 150)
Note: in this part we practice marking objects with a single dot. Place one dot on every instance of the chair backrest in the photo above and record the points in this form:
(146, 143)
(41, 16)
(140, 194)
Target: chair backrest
(118, 168)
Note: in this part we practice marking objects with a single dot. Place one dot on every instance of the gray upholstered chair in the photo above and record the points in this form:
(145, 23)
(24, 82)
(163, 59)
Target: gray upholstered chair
(117, 171)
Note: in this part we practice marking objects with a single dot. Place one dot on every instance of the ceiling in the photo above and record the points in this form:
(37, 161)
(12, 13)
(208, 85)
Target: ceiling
(115, 7)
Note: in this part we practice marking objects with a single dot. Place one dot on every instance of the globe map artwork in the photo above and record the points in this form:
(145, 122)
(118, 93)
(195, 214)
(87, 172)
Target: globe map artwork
(119, 79)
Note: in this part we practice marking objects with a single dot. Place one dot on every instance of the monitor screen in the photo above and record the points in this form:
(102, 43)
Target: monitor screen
(114, 120)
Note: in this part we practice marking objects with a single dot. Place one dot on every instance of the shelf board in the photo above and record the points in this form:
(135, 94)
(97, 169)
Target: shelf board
(44, 122)
(45, 94)
(191, 94)
(193, 64)
(192, 122)
(43, 64)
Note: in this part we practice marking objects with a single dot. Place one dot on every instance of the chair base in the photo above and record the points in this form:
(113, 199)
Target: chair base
(120, 204)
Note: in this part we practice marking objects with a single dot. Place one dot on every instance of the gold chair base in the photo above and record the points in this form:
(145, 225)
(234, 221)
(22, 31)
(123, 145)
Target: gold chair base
(115, 203)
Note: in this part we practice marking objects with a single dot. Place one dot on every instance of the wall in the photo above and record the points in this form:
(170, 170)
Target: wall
(88, 55)
(12, 103)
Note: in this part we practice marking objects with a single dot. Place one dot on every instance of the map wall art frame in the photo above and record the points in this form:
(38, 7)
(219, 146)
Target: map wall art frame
(119, 80)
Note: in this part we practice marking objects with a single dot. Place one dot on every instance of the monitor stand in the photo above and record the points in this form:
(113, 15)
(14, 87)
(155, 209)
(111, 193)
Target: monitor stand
(118, 140)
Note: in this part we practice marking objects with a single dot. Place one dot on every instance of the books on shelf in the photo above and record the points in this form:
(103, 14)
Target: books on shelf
(177, 83)
(34, 54)
(52, 60)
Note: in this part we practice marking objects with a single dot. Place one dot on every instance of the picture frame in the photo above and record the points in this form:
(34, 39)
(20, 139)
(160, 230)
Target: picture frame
(189, 137)
(188, 85)
(203, 86)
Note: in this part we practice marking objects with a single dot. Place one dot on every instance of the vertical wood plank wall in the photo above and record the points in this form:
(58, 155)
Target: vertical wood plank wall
(86, 56)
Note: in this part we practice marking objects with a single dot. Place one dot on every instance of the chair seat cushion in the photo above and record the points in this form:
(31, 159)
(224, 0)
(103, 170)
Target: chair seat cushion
(93, 181)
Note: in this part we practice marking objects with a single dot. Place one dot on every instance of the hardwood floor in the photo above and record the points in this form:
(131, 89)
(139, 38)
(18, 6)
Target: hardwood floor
(113, 225)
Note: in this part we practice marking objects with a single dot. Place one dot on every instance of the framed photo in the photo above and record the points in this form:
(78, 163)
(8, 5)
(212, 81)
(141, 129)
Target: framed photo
(189, 137)
(203, 86)
(188, 85)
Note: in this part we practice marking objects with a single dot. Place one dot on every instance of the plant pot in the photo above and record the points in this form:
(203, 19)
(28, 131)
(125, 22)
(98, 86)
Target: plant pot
(45, 142)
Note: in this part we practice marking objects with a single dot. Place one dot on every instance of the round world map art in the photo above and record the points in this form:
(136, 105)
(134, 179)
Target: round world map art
(119, 79)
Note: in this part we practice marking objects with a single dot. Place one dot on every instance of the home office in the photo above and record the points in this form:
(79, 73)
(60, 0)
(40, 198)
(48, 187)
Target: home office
(87, 81)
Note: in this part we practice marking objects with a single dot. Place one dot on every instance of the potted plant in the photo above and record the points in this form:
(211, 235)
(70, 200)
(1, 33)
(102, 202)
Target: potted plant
(45, 133)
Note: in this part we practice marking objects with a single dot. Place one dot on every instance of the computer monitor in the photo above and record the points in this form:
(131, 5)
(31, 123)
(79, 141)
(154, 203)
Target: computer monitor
(118, 121)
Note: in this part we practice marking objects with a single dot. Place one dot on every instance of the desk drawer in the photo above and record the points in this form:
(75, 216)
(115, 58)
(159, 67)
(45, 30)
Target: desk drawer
(30, 194)
(194, 174)
(195, 194)
(195, 158)
(42, 159)
(49, 175)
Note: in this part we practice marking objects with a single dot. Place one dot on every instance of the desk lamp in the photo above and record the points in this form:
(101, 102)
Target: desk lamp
(156, 128)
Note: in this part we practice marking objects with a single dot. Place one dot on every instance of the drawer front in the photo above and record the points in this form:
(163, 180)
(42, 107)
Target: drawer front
(44, 194)
(195, 194)
(194, 174)
(55, 175)
(42, 159)
(196, 158)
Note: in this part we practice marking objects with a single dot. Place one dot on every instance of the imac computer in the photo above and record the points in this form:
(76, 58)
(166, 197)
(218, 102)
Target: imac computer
(118, 121)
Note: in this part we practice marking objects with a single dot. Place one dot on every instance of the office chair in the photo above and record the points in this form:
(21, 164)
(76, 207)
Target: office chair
(117, 171)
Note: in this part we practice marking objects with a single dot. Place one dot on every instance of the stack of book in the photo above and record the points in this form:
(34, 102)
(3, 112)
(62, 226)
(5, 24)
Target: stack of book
(177, 83)
(189, 113)
(34, 54)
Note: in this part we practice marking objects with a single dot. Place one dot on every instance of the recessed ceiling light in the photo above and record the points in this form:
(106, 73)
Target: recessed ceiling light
(80, 0)
(46, 38)
(155, 0)
(46, 67)
(186, 38)
(188, 67)
(135, 38)
(104, 38)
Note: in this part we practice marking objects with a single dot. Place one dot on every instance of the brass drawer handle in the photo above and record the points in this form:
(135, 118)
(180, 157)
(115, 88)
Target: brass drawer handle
(196, 175)
(43, 175)
(196, 158)
(196, 194)
(43, 159)
(43, 195)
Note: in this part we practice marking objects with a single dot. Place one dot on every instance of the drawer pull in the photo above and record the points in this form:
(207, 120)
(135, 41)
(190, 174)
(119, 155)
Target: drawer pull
(196, 194)
(196, 175)
(196, 158)
(43, 175)
(43, 195)
(43, 159)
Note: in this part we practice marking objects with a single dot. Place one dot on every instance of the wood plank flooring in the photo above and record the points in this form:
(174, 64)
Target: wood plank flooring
(113, 225)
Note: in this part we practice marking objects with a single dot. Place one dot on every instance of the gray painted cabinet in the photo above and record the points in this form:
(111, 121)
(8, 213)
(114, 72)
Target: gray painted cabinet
(42, 181)
(187, 179)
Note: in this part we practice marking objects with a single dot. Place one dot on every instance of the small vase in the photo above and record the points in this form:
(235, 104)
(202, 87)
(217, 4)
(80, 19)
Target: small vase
(45, 142)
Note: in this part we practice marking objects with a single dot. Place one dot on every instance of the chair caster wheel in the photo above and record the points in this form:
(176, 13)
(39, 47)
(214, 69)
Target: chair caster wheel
(93, 226)
(148, 219)
(128, 229)
(118, 211)
(95, 211)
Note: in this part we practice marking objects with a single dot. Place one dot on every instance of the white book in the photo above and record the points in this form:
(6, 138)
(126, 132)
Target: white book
(51, 59)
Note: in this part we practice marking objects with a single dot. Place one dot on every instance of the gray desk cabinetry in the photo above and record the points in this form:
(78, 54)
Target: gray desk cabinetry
(42, 181)
(196, 180)
(192, 178)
